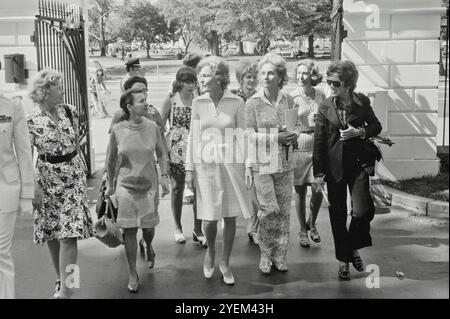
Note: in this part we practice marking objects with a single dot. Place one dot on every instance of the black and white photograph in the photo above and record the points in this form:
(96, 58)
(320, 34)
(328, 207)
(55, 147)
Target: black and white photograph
(224, 155)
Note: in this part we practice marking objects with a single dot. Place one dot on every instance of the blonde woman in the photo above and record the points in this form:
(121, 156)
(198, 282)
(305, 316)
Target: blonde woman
(307, 99)
(61, 215)
(220, 187)
(266, 121)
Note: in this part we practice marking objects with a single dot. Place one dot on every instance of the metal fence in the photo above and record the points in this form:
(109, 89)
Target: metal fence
(59, 40)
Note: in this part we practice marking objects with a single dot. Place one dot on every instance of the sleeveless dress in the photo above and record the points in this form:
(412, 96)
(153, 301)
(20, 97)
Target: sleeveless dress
(179, 121)
(136, 176)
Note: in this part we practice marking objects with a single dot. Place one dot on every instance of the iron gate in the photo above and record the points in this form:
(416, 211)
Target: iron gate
(59, 40)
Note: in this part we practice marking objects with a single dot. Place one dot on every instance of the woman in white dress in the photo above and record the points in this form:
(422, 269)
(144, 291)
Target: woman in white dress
(307, 99)
(218, 181)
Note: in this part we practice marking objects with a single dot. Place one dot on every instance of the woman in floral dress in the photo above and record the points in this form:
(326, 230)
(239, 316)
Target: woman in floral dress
(61, 214)
(177, 110)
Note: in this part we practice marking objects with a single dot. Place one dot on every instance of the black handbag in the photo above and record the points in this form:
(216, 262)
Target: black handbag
(102, 202)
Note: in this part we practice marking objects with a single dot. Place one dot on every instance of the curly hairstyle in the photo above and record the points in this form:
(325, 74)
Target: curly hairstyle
(244, 67)
(313, 69)
(219, 67)
(42, 82)
(280, 66)
(184, 74)
(127, 98)
(346, 71)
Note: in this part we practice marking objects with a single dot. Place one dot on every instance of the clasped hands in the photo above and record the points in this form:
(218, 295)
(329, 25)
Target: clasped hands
(286, 137)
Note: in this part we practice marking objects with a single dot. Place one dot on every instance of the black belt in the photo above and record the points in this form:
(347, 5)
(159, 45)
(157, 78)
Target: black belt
(57, 159)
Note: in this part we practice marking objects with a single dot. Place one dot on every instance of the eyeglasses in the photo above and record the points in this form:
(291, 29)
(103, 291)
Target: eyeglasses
(336, 84)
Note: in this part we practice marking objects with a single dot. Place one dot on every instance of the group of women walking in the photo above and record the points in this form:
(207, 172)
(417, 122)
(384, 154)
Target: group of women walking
(326, 143)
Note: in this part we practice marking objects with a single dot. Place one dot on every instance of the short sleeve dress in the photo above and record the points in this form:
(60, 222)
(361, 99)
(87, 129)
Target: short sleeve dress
(64, 213)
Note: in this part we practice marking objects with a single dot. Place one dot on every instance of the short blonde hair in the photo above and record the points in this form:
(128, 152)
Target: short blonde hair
(44, 80)
(313, 69)
(244, 67)
(280, 66)
(219, 67)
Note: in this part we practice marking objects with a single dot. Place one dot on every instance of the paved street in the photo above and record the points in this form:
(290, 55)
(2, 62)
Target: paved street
(416, 246)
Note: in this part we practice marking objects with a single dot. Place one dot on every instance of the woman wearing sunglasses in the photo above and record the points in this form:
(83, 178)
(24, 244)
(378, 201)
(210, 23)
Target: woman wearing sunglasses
(344, 122)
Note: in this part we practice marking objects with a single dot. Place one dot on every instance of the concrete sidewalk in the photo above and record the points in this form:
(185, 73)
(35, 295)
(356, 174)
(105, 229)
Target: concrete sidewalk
(418, 247)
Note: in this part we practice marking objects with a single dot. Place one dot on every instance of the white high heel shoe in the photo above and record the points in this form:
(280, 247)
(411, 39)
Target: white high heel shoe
(228, 277)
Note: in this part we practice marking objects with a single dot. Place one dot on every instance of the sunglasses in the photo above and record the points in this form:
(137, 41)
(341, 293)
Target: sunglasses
(336, 84)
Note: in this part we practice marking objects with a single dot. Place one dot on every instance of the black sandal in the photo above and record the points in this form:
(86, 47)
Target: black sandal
(358, 263)
(344, 272)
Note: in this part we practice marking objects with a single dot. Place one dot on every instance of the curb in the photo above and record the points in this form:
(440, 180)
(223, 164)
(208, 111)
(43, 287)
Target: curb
(417, 204)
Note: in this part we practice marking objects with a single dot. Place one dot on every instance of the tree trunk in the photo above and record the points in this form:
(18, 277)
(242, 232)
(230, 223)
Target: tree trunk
(241, 48)
(215, 49)
(102, 49)
(147, 48)
(311, 46)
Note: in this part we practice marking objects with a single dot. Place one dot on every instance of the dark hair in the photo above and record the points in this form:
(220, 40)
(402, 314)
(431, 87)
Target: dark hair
(347, 73)
(128, 98)
(134, 79)
(184, 74)
(192, 60)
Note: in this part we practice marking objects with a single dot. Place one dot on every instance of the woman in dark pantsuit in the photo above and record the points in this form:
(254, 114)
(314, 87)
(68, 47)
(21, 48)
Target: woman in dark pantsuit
(344, 122)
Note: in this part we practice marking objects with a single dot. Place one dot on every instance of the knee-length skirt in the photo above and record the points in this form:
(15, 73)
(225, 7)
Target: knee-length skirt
(64, 212)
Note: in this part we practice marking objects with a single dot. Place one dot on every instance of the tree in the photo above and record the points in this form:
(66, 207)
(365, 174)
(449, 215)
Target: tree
(105, 23)
(182, 18)
(259, 20)
(311, 19)
(144, 22)
(206, 24)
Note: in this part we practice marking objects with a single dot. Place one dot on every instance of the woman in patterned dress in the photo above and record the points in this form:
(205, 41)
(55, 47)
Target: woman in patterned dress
(61, 215)
(177, 110)
(218, 179)
(266, 113)
(307, 99)
(247, 77)
(133, 178)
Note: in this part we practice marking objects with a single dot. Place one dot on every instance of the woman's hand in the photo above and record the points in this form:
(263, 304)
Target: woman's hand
(249, 177)
(286, 138)
(189, 180)
(165, 184)
(37, 201)
(26, 205)
(349, 133)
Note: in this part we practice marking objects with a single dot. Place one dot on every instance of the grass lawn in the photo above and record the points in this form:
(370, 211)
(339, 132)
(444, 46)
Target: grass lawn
(435, 187)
